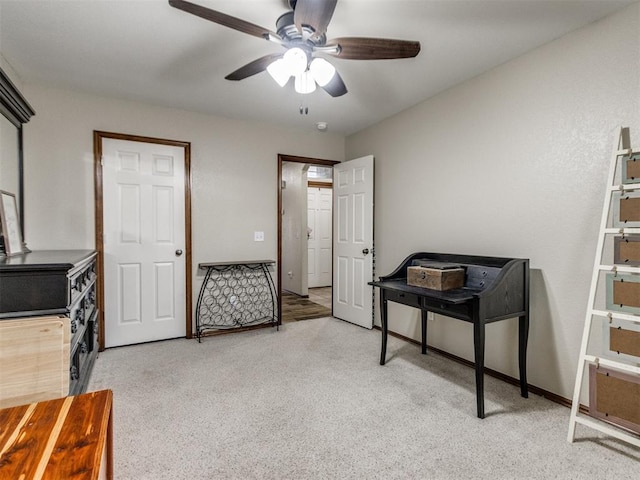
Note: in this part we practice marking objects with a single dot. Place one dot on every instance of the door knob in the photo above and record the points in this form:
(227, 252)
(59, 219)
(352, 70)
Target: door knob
(178, 252)
(365, 251)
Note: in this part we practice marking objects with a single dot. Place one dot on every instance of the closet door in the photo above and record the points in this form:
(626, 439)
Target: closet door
(144, 240)
(320, 236)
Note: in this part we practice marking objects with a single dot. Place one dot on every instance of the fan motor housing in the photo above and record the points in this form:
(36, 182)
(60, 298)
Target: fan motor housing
(286, 28)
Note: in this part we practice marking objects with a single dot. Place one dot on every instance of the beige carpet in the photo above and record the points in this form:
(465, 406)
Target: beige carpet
(311, 402)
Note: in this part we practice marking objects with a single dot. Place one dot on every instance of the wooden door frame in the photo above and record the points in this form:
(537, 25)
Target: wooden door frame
(98, 136)
(293, 159)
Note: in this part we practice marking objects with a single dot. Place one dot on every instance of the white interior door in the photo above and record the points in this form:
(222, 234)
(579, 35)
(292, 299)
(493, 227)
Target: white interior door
(319, 243)
(353, 241)
(144, 236)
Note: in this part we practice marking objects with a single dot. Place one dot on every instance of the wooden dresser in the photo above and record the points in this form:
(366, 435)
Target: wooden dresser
(65, 438)
(54, 282)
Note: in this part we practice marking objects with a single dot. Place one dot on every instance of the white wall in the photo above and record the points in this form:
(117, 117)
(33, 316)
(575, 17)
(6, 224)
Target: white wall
(294, 228)
(512, 163)
(10, 72)
(233, 167)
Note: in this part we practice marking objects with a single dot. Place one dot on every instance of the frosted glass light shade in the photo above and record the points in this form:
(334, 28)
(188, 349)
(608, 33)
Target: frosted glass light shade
(322, 71)
(279, 72)
(305, 83)
(296, 60)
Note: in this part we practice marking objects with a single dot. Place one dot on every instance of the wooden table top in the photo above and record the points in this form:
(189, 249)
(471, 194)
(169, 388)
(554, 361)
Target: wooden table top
(56, 439)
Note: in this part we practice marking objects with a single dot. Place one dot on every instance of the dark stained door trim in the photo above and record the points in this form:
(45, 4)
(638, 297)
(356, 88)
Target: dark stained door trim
(99, 211)
(295, 159)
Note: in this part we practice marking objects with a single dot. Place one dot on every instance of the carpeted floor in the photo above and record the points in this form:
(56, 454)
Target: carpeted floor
(312, 402)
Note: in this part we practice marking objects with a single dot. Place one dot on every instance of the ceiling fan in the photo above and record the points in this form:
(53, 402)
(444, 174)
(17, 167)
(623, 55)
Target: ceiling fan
(302, 32)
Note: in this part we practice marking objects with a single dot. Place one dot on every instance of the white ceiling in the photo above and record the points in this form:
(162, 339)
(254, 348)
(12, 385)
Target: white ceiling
(146, 50)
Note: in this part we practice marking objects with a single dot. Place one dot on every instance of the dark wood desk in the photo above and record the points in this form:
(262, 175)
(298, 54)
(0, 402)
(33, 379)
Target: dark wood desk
(495, 289)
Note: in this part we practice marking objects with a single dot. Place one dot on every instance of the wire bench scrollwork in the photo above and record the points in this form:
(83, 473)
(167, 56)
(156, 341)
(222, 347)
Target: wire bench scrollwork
(236, 295)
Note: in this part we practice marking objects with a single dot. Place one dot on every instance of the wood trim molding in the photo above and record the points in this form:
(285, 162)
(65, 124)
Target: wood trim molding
(494, 373)
(313, 184)
(12, 104)
(311, 161)
(98, 136)
(294, 159)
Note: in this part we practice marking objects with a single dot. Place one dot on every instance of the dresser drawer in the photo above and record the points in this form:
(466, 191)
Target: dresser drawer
(405, 298)
(81, 280)
(461, 311)
(77, 322)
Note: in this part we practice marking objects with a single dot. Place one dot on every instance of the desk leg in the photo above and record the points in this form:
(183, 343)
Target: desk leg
(383, 320)
(478, 346)
(424, 331)
(523, 336)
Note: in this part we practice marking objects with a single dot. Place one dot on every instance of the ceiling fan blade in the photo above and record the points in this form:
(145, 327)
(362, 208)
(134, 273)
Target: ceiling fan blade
(254, 67)
(223, 19)
(314, 13)
(362, 48)
(336, 87)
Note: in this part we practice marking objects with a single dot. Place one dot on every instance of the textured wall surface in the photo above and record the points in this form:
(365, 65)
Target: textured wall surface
(512, 163)
(294, 228)
(233, 168)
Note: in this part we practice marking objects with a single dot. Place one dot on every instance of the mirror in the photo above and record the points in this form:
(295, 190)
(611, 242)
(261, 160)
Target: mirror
(15, 112)
(9, 161)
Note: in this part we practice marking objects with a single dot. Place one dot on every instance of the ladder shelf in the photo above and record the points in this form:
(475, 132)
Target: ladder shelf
(626, 430)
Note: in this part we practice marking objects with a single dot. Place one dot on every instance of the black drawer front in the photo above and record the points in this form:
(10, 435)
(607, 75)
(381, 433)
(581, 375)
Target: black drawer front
(404, 298)
(89, 301)
(32, 292)
(461, 311)
(74, 371)
(80, 281)
(91, 334)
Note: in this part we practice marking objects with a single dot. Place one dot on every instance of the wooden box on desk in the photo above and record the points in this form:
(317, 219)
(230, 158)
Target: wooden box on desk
(436, 276)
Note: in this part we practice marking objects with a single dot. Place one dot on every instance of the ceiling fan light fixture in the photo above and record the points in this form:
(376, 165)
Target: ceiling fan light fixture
(296, 60)
(279, 72)
(304, 83)
(322, 71)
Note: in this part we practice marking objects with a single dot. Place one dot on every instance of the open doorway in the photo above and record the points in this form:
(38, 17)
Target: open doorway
(305, 238)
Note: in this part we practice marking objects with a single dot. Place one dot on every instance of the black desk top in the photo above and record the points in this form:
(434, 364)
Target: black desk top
(495, 289)
(456, 296)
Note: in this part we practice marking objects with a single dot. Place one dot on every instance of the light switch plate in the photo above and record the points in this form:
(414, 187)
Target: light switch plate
(258, 236)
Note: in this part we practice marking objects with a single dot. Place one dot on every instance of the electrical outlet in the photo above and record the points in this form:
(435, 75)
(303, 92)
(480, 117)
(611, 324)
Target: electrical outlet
(258, 236)
(431, 316)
